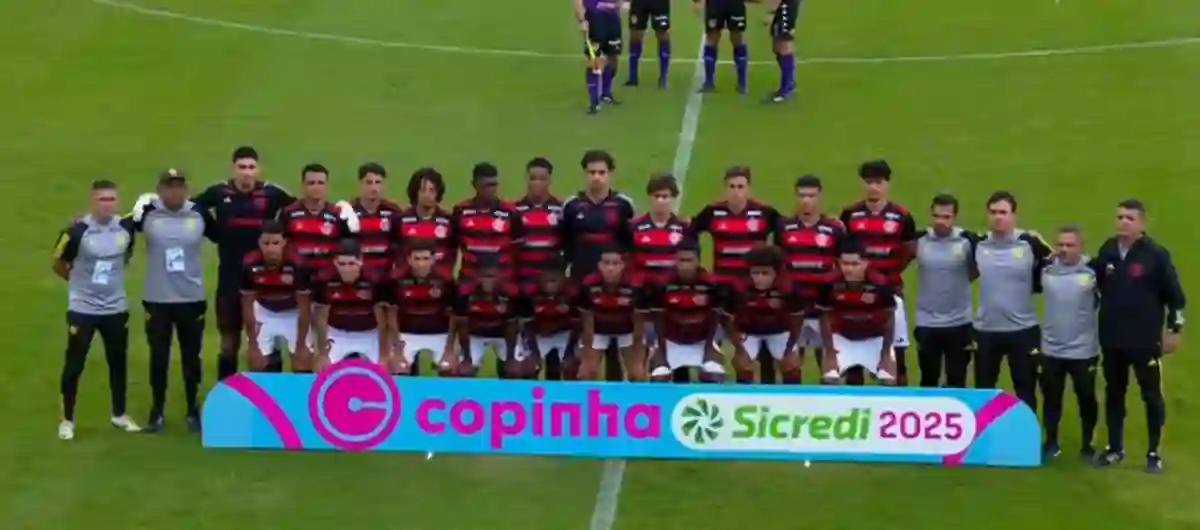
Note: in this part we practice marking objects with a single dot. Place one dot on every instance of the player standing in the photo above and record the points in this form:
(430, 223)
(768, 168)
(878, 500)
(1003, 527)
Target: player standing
(420, 312)
(351, 310)
(277, 297)
(550, 320)
(486, 225)
(239, 205)
(857, 320)
(657, 233)
(595, 219)
(945, 269)
(600, 22)
(612, 305)
(686, 306)
(720, 15)
(377, 217)
(486, 310)
(782, 21)
(809, 240)
(426, 220)
(541, 215)
(310, 224)
(737, 224)
(765, 315)
(655, 14)
(888, 235)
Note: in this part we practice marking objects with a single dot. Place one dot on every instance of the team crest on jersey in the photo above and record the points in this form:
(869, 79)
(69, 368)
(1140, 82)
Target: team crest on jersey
(722, 226)
(1018, 252)
(122, 239)
(501, 307)
(364, 294)
(623, 301)
(1135, 270)
(499, 225)
(675, 238)
(551, 219)
(327, 228)
(385, 224)
(438, 232)
(260, 203)
(891, 226)
(434, 292)
(868, 298)
(774, 303)
(700, 299)
(286, 279)
(823, 240)
(189, 225)
(752, 225)
(959, 250)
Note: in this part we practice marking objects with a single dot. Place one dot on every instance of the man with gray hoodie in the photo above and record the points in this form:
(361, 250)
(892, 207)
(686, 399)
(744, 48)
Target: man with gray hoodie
(1069, 346)
(174, 296)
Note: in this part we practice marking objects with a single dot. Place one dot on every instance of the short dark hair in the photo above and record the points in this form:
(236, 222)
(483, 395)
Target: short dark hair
(314, 168)
(272, 226)
(738, 171)
(371, 168)
(765, 256)
(875, 169)
(425, 174)
(1133, 204)
(244, 151)
(611, 249)
(348, 247)
(662, 182)
(1071, 228)
(809, 181)
(103, 184)
(597, 155)
(944, 199)
(688, 244)
(541, 162)
(420, 245)
(1002, 196)
(849, 246)
(484, 170)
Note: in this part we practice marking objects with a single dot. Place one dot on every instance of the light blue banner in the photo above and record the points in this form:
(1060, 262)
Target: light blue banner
(356, 406)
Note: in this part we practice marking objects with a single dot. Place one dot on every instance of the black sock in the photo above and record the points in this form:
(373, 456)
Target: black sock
(227, 365)
(275, 363)
(68, 405)
(191, 389)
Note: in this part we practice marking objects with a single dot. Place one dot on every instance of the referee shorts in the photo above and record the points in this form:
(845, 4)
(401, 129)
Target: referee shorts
(783, 25)
(604, 33)
(655, 14)
(725, 14)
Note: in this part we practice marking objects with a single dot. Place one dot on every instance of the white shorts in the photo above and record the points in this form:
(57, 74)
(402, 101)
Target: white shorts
(415, 343)
(479, 345)
(810, 334)
(601, 341)
(687, 356)
(343, 344)
(901, 320)
(275, 327)
(775, 344)
(864, 353)
(554, 345)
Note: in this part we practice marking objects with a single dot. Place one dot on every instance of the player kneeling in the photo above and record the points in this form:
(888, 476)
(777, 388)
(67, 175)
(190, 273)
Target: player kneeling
(486, 310)
(764, 315)
(420, 314)
(275, 290)
(550, 318)
(857, 320)
(686, 305)
(612, 307)
(351, 310)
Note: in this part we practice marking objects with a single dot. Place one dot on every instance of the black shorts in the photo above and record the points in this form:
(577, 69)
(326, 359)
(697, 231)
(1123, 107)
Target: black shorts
(655, 14)
(604, 33)
(783, 26)
(228, 309)
(725, 14)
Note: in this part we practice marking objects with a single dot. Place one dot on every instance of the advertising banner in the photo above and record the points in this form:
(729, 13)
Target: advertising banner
(356, 406)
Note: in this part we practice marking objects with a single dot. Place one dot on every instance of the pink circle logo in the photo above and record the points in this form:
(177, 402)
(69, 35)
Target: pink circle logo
(354, 405)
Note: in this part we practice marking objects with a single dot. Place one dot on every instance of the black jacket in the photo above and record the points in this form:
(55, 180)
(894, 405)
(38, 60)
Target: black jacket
(1138, 294)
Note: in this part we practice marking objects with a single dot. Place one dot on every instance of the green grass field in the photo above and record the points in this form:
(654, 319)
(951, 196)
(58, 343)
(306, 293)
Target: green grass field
(954, 94)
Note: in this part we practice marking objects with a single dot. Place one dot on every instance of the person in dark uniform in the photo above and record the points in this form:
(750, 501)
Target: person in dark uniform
(656, 15)
(600, 22)
(1139, 293)
(720, 15)
(781, 19)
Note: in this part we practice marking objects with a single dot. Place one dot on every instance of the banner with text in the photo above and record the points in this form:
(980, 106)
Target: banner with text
(356, 406)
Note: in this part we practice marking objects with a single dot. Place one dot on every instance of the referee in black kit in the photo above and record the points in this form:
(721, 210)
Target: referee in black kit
(1139, 290)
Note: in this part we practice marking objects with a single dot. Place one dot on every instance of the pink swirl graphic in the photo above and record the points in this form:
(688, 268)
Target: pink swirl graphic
(354, 405)
(984, 417)
(270, 410)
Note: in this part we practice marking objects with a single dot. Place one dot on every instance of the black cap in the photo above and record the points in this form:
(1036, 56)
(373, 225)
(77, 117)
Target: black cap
(172, 175)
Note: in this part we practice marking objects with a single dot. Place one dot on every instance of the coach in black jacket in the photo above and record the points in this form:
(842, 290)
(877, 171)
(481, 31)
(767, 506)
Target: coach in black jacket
(1139, 292)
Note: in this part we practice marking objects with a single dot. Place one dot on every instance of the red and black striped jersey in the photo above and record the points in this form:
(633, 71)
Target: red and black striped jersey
(274, 285)
(884, 237)
(542, 237)
(487, 314)
(612, 306)
(424, 306)
(858, 310)
(763, 311)
(377, 232)
(487, 228)
(810, 253)
(314, 234)
(688, 308)
(734, 234)
(549, 312)
(351, 304)
(653, 249)
(437, 227)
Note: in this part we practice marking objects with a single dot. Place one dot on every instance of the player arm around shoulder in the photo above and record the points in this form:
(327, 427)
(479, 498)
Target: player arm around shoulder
(66, 249)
